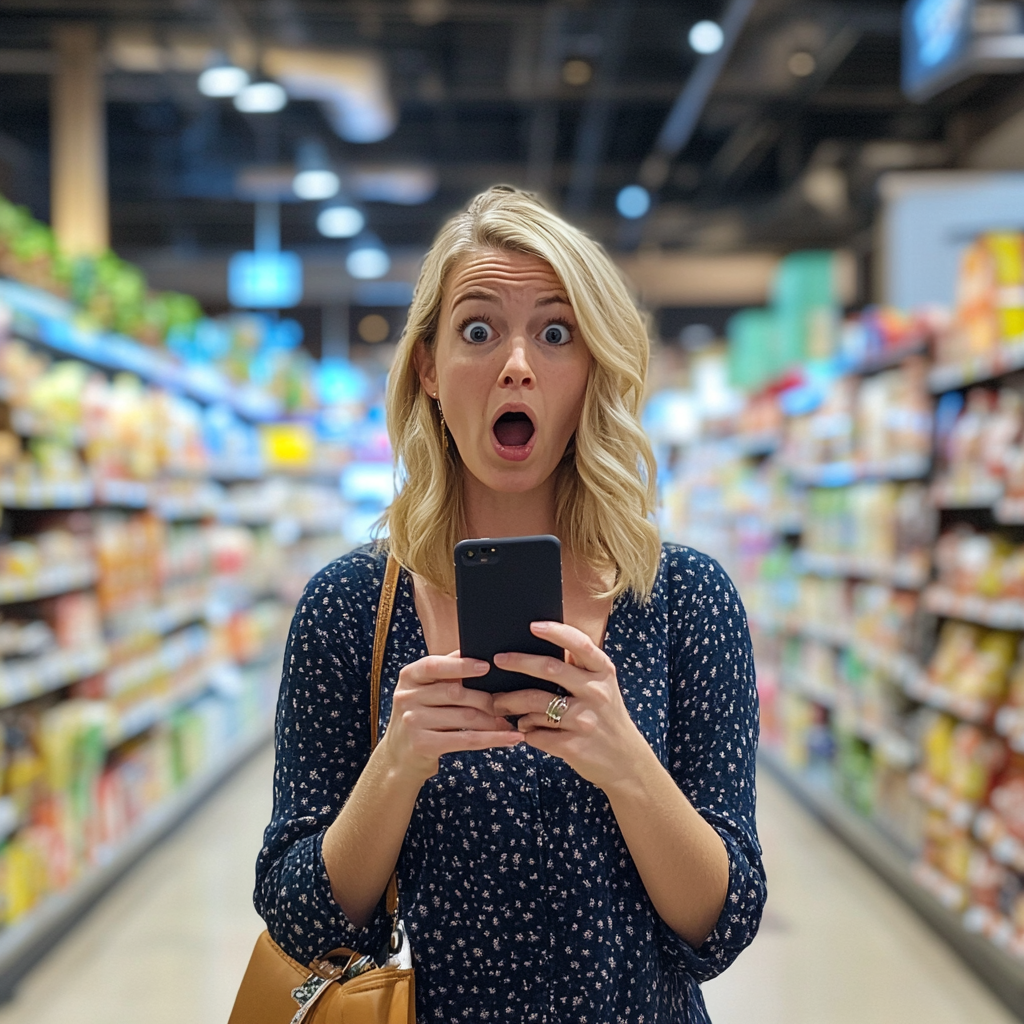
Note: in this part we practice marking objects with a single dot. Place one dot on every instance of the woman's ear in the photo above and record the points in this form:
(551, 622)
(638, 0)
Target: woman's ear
(426, 368)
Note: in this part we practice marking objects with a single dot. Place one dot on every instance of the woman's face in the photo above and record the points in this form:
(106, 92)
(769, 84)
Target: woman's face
(509, 367)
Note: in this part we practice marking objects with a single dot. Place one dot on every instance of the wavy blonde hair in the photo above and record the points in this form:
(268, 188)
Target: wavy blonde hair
(606, 479)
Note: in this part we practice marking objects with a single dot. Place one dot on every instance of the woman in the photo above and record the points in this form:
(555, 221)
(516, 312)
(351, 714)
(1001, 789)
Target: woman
(593, 868)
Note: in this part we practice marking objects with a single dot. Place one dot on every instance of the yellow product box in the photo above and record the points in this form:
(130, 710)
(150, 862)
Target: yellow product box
(1007, 249)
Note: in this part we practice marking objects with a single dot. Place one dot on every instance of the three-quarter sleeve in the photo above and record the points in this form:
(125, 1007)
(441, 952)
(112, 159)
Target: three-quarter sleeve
(322, 746)
(713, 736)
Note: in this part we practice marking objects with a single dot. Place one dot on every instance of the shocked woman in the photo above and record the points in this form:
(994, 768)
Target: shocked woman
(592, 863)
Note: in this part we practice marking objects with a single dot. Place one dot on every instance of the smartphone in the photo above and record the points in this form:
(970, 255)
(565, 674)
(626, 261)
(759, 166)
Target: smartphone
(501, 586)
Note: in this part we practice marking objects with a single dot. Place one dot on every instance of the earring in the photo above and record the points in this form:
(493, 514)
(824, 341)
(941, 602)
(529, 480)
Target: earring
(444, 428)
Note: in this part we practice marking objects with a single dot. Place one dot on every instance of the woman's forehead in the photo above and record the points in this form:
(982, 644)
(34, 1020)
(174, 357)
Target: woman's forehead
(500, 270)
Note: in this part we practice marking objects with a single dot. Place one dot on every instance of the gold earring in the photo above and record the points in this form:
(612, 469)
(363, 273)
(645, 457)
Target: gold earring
(444, 428)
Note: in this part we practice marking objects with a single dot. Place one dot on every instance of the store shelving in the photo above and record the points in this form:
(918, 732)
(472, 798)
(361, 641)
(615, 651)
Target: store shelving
(47, 582)
(1009, 358)
(23, 943)
(926, 891)
(887, 629)
(996, 614)
(842, 474)
(149, 563)
(52, 323)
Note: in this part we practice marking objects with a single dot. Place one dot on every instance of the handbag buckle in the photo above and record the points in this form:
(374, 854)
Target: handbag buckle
(324, 974)
(307, 994)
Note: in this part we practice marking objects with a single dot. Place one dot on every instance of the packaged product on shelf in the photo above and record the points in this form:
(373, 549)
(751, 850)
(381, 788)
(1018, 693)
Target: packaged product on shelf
(989, 311)
(972, 662)
(882, 529)
(882, 332)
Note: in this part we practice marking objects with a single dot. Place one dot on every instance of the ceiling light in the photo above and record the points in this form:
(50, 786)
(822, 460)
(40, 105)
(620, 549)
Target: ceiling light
(316, 184)
(706, 37)
(367, 262)
(801, 64)
(261, 98)
(314, 178)
(633, 202)
(340, 222)
(577, 72)
(373, 328)
(223, 80)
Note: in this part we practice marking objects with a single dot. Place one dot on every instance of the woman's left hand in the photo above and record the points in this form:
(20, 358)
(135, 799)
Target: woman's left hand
(595, 735)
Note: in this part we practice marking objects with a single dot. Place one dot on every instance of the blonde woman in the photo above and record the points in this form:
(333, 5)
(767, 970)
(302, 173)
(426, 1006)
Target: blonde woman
(593, 867)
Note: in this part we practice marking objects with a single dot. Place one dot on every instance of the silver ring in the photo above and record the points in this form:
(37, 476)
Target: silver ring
(557, 708)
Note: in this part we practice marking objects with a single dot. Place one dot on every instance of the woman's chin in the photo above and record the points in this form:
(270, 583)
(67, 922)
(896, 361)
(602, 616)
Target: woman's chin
(512, 476)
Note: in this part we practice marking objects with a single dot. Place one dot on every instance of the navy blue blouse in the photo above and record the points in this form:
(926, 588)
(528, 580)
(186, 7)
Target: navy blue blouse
(520, 897)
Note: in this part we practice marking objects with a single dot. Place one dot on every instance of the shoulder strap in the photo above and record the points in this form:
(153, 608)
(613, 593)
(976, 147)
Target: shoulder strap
(380, 639)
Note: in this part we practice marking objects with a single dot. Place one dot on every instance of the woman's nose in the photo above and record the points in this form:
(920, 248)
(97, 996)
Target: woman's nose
(517, 371)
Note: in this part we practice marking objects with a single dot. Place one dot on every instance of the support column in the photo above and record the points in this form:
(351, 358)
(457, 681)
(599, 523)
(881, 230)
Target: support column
(79, 205)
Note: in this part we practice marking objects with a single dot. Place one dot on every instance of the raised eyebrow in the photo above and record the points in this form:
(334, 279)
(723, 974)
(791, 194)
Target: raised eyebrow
(554, 300)
(475, 294)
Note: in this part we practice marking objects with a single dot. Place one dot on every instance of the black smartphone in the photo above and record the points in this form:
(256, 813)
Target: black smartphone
(501, 586)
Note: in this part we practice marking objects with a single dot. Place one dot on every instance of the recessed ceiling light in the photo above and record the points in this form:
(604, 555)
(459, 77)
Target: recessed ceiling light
(633, 202)
(261, 98)
(223, 80)
(340, 222)
(577, 72)
(706, 37)
(801, 64)
(367, 263)
(317, 183)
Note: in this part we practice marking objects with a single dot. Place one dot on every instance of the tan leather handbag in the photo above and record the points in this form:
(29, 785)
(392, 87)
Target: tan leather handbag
(342, 987)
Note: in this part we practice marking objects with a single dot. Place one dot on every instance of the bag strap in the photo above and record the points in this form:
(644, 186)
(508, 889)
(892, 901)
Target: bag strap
(380, 640)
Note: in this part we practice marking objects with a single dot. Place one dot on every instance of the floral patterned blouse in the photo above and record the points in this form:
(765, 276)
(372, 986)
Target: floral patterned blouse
(519, 895)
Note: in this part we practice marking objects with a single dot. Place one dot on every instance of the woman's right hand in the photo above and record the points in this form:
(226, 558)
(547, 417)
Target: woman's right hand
(432, 714)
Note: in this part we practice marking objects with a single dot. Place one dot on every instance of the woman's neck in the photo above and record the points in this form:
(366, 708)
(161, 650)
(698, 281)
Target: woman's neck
(495, 514)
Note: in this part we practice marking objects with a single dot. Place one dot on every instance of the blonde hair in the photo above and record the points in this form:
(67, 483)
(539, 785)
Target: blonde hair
(606, 479)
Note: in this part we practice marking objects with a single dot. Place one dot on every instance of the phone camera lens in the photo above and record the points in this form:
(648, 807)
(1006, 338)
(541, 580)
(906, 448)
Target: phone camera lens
(469, 554)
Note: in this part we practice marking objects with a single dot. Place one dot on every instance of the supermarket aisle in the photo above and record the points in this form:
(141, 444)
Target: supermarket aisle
(170, 944)
(836, 945)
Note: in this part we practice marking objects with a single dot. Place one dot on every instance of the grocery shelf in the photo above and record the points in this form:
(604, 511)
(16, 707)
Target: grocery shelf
(968, 709)
(887, 359)
(25, 942)
(983, 495)
(48, 582)
(1007, 613)
(1008, 359)
(49, 321)
(842, 474)
(895, 747)
(33, 677)
(1002, 972)
(904, 575)
(756, 445)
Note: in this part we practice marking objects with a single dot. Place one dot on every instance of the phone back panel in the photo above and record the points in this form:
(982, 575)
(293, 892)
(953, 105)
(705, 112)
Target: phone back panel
(503, 585)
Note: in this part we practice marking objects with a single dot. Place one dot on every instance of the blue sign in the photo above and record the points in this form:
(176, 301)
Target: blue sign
(936, 38)
(264, 280)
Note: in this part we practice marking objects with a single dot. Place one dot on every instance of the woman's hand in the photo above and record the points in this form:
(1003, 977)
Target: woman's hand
(595, 736)
(432, 714)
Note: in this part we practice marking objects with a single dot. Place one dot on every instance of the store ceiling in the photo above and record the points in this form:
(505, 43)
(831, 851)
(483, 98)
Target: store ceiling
(785, 152)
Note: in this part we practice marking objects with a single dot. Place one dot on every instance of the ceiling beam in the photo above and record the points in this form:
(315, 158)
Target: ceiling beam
(685, 114)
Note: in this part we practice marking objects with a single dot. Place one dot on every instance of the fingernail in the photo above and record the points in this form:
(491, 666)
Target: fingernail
(539, 627)
(481, 667)
(500, 659)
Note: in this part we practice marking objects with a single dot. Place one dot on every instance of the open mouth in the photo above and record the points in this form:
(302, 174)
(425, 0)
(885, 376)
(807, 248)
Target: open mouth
(513, 429)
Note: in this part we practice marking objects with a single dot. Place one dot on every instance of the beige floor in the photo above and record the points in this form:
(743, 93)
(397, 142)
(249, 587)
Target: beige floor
(169, 944)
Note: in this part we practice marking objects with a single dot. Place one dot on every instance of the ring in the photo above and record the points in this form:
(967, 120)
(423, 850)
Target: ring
(557, 708)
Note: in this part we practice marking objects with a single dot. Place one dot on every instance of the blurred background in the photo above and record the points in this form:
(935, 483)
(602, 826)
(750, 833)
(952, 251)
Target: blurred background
(212, 214)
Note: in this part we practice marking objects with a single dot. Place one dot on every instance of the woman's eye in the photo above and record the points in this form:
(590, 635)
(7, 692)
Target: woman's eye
(477, 331)
(557, 334)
